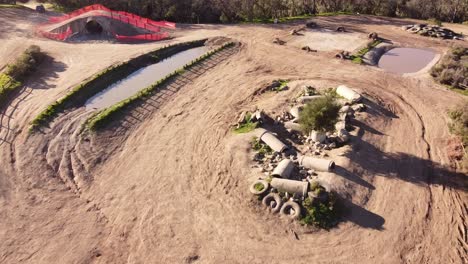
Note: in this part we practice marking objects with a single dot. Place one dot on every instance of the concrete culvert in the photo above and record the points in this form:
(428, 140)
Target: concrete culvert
(273, 201)
(291, 210)
(316, 164)
(283, 169)
(291, 186)
(93, 27)
(273, 142)
(259, 187)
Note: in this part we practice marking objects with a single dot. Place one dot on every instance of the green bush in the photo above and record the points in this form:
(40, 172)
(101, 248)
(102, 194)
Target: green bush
(452, 70)
(260, 147)
(17, 72)
(319, 115)
(320, 214)
(459, 127)
(247, 126)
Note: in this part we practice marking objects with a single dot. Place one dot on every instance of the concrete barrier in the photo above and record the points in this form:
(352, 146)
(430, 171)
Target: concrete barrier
(316, 164)
(283, 169)
(290, 186)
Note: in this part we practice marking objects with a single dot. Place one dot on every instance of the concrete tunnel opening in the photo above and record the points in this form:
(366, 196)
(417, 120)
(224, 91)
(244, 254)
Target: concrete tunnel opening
(93, 27)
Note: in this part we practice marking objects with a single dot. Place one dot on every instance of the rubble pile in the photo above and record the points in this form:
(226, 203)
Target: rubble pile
(290, 173)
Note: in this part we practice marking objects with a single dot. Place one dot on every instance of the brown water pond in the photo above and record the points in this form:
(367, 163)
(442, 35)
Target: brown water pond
(406, 60)
(142, 78)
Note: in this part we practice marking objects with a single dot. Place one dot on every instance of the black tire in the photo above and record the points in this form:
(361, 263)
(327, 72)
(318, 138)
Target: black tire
(265, 184)
(273, 202)
(291, 210)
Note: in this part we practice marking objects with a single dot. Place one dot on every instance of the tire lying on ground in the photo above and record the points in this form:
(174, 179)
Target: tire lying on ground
(273, 202)
(254, 190)
(414, 29)
(291, 209)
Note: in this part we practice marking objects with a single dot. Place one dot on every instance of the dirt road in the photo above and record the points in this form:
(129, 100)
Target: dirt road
(173, 188)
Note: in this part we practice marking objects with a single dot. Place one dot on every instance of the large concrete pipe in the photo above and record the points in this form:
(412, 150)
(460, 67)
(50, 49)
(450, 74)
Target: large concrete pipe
(307, 99)
(283, 169)
(290, 186)
(269, 139)
(291, 209)
(293, 126)
(273, 201)
(348, 93)
(316, 164)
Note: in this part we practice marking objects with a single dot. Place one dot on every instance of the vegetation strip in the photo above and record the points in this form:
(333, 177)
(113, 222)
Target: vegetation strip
(104, 117)
(81, 93)
(17, 72)
(452, 70)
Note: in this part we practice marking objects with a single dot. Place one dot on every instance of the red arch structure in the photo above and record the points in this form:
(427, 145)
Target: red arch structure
(57, 28)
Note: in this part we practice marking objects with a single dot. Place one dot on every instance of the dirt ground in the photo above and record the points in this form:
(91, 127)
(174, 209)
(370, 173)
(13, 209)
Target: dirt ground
(174, 187)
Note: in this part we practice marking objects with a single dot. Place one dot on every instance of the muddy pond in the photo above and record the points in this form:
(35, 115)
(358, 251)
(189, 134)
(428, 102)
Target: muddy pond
(143, 78)
(406, 60)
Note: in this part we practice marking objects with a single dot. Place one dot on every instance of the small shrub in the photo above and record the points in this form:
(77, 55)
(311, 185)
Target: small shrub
(319, 115)
(261, 147)
(259, 187)
(459, 127)
(247, 126)
(452, 70)
(320, 214)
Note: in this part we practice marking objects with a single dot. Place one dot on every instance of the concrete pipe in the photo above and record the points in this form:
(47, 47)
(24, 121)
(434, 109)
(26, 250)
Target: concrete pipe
(316, 164)
(290, 186)
(348, 93)
(257, 191)
(273, 201)
(269, 139)
(283, 169)
(293, 126)
(291, 210)
(307, 99)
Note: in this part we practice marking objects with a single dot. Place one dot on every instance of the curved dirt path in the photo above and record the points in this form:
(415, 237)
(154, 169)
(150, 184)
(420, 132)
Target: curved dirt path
(175, 188)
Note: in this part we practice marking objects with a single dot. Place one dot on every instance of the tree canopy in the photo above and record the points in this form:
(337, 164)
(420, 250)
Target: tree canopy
(214, 11)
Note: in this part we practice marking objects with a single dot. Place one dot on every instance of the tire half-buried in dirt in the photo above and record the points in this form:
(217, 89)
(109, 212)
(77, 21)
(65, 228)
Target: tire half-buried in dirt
(273, 202)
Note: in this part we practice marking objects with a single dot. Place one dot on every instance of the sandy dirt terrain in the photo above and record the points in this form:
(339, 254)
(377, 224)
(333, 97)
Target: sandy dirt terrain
(170, 185)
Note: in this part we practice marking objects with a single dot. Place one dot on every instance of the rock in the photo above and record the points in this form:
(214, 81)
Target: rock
(340, 125)
(345, 109)
(358, 107)
(343, 135)
(332, 145)
(317, 136)
(257, 116)
(241, 119)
